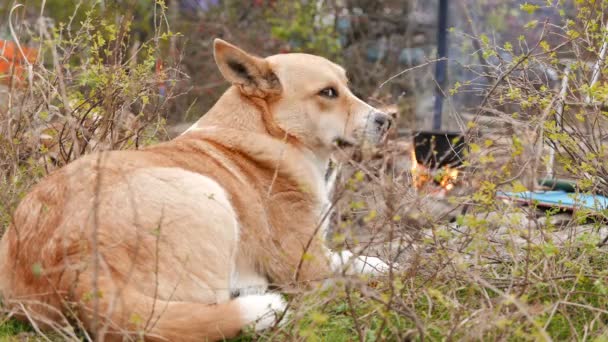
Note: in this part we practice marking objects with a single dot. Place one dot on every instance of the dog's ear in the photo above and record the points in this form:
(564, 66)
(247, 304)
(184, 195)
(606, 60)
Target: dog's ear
(251, 74)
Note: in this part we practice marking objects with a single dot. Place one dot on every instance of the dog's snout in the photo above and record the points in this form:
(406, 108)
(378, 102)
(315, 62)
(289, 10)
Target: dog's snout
(382, 120)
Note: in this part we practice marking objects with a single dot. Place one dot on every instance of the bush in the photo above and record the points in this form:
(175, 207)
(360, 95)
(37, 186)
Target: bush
(91, 87)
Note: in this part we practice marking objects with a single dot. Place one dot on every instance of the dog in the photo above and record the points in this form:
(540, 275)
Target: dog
(156, 243)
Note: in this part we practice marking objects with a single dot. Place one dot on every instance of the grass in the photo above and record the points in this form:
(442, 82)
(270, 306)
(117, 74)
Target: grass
(548, 293)
(11, 329)
(335, 323)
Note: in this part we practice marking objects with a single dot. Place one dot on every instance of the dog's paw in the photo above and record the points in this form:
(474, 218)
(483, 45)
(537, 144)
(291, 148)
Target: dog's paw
(360, 264)
(261, 311)
(371, 265)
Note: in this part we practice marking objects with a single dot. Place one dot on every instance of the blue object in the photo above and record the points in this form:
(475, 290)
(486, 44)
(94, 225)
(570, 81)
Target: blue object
(559, 198)
(376, 51)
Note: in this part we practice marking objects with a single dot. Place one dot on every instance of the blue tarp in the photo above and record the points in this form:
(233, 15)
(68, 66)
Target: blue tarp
(558, 198)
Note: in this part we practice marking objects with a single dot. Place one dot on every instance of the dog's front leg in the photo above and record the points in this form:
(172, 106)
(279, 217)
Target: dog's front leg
(346, 261)
(293, 263)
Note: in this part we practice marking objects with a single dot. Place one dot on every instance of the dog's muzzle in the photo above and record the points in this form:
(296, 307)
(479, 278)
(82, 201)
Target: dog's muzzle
(374, 132)
(382, 122)
(380, 125)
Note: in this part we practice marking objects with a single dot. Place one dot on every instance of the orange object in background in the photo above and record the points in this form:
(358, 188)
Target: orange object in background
(11, 57)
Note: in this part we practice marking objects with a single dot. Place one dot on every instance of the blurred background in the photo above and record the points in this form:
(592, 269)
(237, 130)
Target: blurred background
(374, 40)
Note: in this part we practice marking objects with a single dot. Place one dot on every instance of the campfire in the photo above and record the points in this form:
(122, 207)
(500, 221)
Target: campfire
(437, 181)
(435, 158)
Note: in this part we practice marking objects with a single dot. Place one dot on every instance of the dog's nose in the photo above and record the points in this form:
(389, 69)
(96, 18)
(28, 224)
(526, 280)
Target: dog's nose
(382, 120)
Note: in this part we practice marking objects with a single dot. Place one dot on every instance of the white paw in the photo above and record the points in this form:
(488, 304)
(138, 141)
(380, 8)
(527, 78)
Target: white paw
(261, 311)
(361, 264)
(370, 265)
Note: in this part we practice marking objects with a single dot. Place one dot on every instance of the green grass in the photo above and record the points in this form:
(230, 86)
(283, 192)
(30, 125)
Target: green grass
(563, 295)
(14, 330)
(11, 328)
(446, 309)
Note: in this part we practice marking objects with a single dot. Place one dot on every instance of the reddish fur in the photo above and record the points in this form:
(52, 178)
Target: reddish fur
(49, 260)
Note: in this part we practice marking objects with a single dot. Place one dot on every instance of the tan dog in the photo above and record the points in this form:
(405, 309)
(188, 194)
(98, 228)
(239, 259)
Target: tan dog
(156, 242)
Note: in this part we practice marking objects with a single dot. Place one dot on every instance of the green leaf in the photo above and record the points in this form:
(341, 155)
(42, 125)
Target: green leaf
(474, 148)
(529, 8)
(519, 187)
(37, 269)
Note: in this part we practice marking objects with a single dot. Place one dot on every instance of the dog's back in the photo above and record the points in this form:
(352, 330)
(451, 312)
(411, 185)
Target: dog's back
(134, 234)
(153, 242)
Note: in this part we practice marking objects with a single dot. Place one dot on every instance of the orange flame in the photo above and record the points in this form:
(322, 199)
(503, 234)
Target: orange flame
(448, 178)
(421, 175)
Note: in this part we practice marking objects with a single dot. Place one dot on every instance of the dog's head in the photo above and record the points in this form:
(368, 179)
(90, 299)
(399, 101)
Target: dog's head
(307, 96)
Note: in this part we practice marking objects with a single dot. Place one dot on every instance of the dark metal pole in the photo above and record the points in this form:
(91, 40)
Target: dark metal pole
(442, 66)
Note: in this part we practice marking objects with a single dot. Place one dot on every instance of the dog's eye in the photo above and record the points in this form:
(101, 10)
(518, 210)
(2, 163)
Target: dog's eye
(329, 92)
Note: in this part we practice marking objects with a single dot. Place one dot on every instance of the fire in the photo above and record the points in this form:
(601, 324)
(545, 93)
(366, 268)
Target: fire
(448, 178)
(444, 177)
(420, 175)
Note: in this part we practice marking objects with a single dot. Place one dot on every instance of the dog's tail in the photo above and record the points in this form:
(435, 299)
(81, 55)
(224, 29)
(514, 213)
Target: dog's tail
(134, 314)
